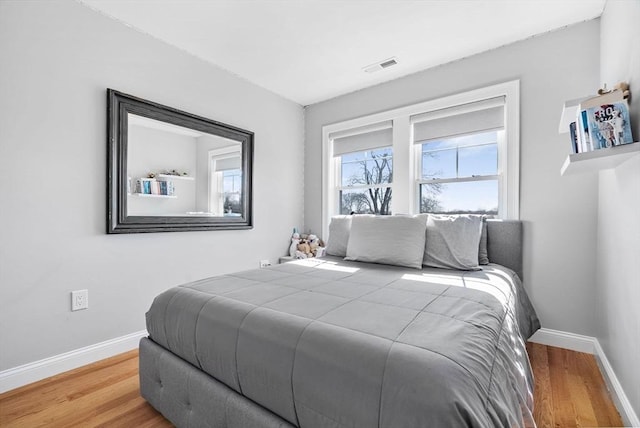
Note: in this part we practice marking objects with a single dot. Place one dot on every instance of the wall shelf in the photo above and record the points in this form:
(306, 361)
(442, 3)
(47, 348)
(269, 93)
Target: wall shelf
(174, 177)
(147, 195)
(599, 159)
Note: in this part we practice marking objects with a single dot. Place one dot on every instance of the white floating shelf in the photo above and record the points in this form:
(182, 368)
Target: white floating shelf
(599, 159)
(569, 111)
(146, 195)
(165, 177)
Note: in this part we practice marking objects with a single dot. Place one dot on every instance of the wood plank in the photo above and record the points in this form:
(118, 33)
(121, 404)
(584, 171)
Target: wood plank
(599, 396)
(569, 392)
(585, 416)
(577, 395)
(542, 393)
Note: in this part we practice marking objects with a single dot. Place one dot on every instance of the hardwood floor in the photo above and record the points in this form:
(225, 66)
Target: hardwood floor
(570, 392)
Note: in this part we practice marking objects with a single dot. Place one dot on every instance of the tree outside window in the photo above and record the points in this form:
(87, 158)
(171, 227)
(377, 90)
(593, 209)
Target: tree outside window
(365, 182)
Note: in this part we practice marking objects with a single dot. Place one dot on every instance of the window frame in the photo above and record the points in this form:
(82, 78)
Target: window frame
(404, 185)
(215, 178)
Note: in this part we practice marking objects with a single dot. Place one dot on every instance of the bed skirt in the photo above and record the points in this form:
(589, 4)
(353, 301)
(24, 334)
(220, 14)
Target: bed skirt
(189, 397)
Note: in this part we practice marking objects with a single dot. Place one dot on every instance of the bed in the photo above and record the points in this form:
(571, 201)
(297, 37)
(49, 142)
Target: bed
(334, 343)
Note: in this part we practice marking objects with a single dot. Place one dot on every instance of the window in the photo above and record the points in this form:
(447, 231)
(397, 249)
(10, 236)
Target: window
(460, 175)
(363, 164)
(225, 182)
(458, 150)
(458, 154)
(232, 191)
(365, 179)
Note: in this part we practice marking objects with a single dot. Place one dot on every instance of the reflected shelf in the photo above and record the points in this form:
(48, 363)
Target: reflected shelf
(174, 177)
(146, 195)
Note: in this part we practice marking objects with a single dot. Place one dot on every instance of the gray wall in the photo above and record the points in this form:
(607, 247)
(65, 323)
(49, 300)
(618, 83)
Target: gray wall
(57, 59)
(618, 279)
(559, 212)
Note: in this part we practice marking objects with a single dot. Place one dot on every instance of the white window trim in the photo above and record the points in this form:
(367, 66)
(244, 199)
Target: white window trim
(405, 154)
(216, 188)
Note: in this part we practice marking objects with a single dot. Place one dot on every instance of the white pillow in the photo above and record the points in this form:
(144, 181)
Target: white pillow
(391, 240)
(338, 235)
(453, 241)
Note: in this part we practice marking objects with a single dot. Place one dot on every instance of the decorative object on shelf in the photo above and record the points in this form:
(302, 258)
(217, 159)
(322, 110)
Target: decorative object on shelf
(174, 172)
(601, 121)
(621, 86)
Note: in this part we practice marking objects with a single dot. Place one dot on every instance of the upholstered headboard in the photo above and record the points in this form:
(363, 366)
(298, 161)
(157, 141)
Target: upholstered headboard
(504, 243)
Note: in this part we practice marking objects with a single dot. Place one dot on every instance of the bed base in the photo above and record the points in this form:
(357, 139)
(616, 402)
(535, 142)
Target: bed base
(188, 397)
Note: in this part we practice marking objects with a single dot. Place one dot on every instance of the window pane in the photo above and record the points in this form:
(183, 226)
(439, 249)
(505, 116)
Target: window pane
(478, 160)
(465, 156)
(462, 141)
(479, 197)
(366, 168)
(232, 191)
(367, 201)
(438, 164)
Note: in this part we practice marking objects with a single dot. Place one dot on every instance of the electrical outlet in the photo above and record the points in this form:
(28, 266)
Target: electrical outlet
(79, 300)
(264, 263)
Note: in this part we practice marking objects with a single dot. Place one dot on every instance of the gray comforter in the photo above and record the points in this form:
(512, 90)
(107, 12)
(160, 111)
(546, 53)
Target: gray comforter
(329, 343)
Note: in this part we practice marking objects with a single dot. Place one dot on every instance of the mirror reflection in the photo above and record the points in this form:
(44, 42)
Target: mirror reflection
(181, 172)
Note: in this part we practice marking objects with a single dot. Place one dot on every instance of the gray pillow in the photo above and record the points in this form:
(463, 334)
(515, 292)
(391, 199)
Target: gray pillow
(453, 241)
(483, 254)
(391, 240)
(338, 235)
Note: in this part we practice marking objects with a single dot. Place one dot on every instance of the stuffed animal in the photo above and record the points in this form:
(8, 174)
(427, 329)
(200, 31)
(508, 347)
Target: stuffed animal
(293, 248)
(304, 248)
(314, 243)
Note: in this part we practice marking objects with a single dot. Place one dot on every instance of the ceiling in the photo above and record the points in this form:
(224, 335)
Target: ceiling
(312, 50)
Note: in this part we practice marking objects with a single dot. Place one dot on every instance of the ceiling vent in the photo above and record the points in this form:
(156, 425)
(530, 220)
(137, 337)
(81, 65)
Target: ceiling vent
(381, 65)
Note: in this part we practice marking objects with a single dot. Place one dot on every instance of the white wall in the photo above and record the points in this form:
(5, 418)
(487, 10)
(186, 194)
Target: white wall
(618, 256)
(57, 59)
(559, 212)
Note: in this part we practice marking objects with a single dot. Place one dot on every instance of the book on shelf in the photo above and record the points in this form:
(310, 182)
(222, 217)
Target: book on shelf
(574, 137)
(143, 185)
(582, 133)
(151, 186)
(602, 121)
(609, 125)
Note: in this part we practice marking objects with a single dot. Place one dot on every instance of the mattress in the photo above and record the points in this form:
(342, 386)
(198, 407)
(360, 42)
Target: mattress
(331, 343)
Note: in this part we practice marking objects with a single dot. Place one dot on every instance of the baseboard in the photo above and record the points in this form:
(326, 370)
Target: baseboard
(38, 370)
(620, 399)
(563, 339)
(590, 345)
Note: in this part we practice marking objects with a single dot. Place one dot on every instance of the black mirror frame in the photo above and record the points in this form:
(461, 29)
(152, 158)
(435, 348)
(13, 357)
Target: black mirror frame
(118, 107)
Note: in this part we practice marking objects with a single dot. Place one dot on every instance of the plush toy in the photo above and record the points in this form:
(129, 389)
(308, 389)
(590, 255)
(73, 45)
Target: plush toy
(313, 244)
(293, 248)
(304, 248)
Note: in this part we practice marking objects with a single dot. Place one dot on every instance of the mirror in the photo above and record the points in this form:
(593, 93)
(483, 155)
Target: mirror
(171, 171)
